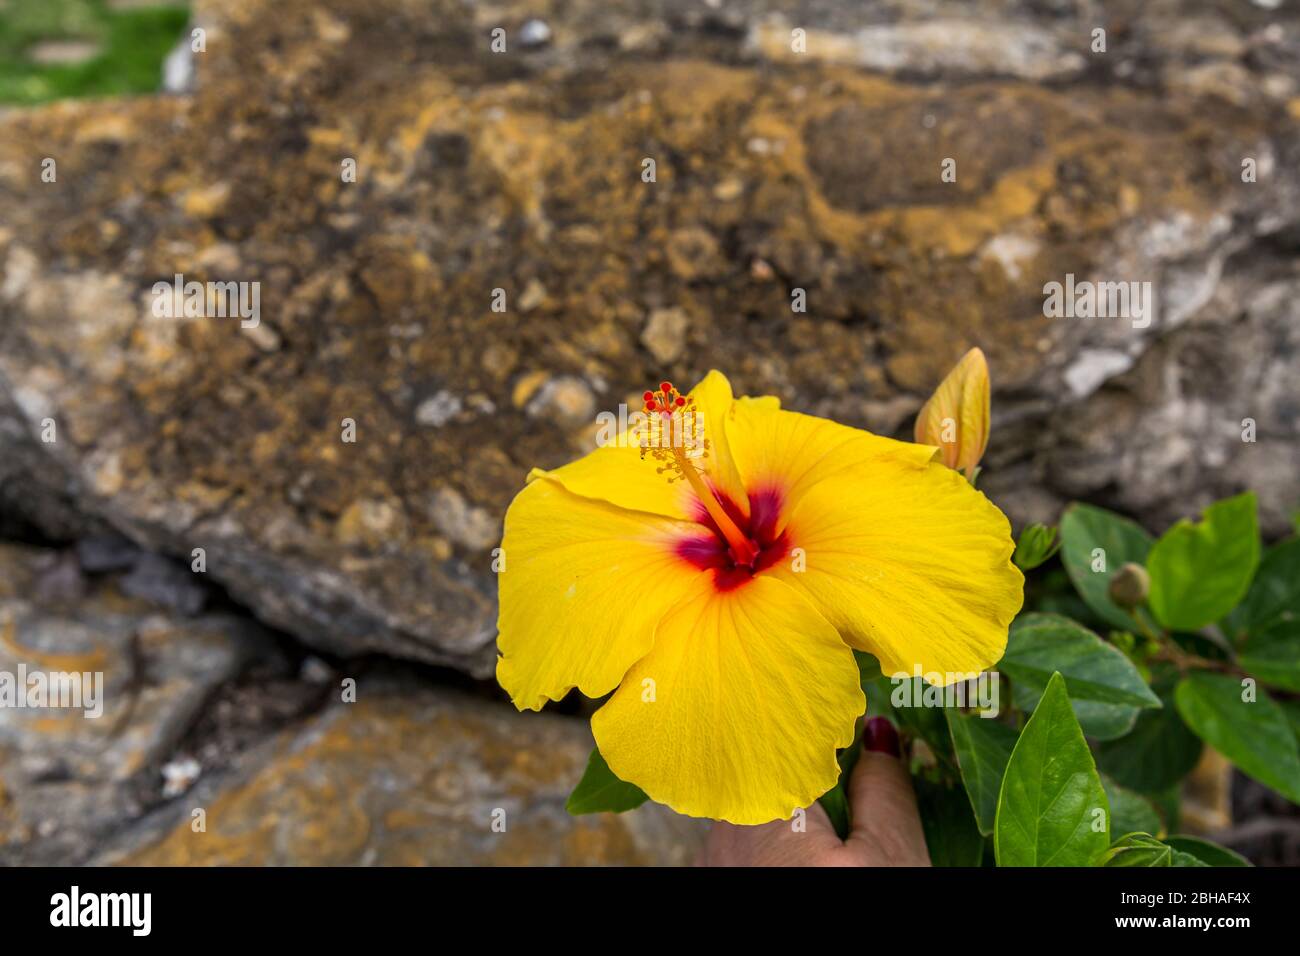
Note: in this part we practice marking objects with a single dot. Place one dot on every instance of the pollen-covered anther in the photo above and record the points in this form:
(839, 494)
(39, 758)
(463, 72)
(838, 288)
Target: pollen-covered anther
(674, 437)
(673, 434)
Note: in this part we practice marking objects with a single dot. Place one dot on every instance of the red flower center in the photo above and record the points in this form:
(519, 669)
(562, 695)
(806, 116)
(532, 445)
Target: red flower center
(714, 551)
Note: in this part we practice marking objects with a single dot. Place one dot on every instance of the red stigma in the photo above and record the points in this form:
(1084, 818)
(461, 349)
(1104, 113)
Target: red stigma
(666, 401)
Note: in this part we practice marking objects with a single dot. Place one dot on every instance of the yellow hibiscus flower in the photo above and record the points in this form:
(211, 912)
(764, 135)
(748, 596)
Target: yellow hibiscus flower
(717, 586)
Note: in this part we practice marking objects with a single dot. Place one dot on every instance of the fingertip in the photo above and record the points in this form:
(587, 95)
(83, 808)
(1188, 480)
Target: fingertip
(879, 736)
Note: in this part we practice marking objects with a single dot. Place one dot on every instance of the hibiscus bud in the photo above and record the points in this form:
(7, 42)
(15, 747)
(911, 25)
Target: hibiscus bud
(1129, 586)
(956, 418)
(1037, 543)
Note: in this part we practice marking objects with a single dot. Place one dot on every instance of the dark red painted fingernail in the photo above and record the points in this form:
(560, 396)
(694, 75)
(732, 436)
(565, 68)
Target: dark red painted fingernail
(879, 736)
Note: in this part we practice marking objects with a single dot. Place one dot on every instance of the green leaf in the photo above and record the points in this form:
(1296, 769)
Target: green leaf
(868, 666)
(1159, 751)
(1037, 543)
(950, 831)
(1169, 801)
(1144, 850)
(1254, 735)
(1139, 849)
(1292, 710)
(875, 686)
(1051, 793)
(1274, 595)
(599, 791)
(1200, 571)
(1129, 812)
(835, 801)
(1211, 854)
(983, 747)
(1085, 529)
(1105, 689)
(1273, 655)
(913, 716)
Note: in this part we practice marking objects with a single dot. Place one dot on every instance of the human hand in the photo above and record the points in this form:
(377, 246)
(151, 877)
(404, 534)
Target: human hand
(886, 825)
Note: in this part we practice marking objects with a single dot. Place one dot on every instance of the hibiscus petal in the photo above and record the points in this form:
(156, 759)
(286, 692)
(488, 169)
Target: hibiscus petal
(618, 473)
(786, 453)
(753, 691)
(583, 586)
(910, 563)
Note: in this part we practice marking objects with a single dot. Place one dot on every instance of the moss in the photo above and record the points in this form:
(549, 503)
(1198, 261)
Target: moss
(131, 47)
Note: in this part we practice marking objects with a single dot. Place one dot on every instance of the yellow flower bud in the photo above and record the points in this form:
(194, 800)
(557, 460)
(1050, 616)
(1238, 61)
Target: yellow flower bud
(956, 418)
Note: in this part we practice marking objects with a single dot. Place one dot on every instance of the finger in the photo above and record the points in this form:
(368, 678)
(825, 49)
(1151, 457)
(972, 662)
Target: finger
(795, 842)
(885, 816)
(817, 820)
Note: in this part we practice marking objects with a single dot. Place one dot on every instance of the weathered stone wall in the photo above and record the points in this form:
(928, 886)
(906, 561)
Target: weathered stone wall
(522, 171)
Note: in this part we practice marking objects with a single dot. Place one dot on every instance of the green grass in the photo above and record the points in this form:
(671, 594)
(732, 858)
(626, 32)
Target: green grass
(132, 44)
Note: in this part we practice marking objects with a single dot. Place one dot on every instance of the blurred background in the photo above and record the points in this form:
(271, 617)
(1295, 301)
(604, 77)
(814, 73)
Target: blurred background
(467, 244)
(84, 47)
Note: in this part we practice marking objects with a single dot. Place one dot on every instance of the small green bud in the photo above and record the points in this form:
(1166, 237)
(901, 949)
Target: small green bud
(1130, 585)
(1037, 543)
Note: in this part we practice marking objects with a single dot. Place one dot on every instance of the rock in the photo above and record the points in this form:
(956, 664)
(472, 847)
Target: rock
(729, 189)
(437, 410)
(533, 296)
(100, 554)
(179, 775)
(59, 579)
(778, 172)
(693, 253)
(665, 334)
(473, 528)
(565, 400)
(535, 33)
(499, 360)
(372, 523)
(315, 671)
(69, 775)
(178, 68)
(165, 583)
(32, 497)
(404, 777)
